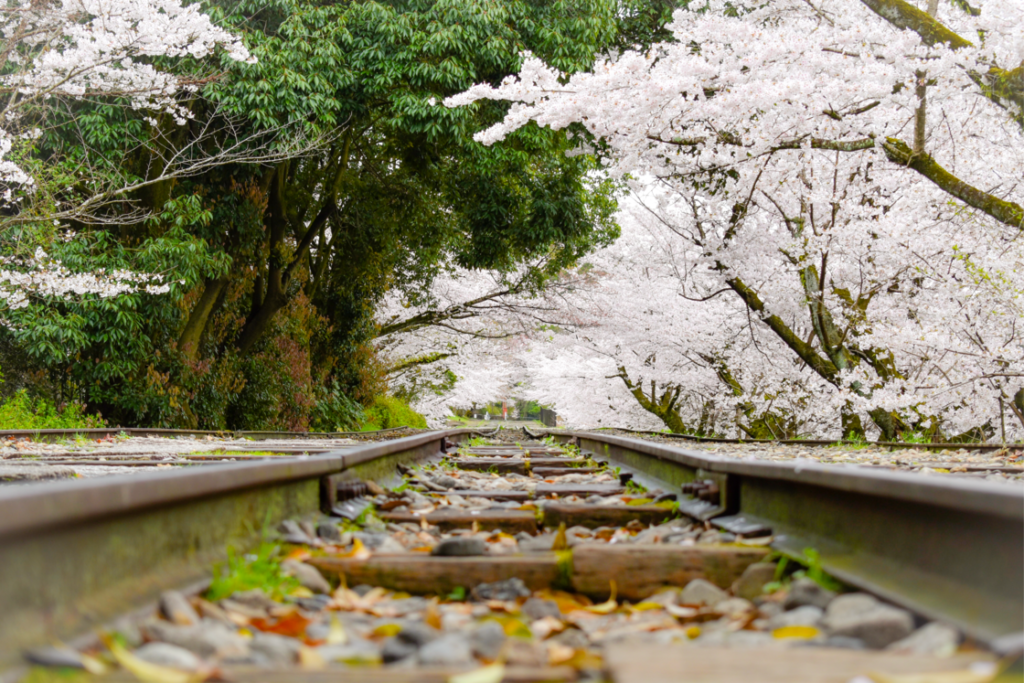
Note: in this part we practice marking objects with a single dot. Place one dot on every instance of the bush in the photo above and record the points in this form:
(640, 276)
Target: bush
(336, 412)
(21, 412)
(388, 411)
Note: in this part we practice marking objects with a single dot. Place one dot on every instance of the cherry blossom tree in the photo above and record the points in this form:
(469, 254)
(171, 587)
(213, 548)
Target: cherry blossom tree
(831, 194)
(56, 53)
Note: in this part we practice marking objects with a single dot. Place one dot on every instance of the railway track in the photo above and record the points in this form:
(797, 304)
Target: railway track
(582, 555)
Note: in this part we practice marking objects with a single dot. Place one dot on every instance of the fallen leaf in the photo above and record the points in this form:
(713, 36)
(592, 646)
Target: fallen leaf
(559, 653)
(301, 592)
(680, 612)
(560, 543)
(432, 617)
(311, 660)
(292, 625)
(386, 631)
(644, 606)
(336, 633)
(492, 673)
(145, 671)
(796, 633)
(544, 627)
(693, 632)
(608, 606)
(300, 554)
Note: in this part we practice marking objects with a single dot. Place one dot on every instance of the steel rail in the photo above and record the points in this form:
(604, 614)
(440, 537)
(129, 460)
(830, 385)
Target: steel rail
(1013, 446)
(75, 554)
(107, 432)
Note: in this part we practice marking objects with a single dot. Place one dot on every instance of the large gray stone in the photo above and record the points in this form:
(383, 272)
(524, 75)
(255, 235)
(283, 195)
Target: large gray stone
(509, 589)
(308, 575)
(536, 608)
(276, 648)
(329, 532)
(418, 634)
(752, 581)
(859, 615)
(165, 654)
(804, 591)
(176, 608)
(934, 639)
(487, 640)
(396, 649)
(702, 592)
(206, 639)
(452, 649)
(464, 546)
(808, 615)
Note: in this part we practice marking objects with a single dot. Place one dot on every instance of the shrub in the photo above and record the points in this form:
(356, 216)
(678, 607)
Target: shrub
(336, 412)
(22, 412)
(388, 411)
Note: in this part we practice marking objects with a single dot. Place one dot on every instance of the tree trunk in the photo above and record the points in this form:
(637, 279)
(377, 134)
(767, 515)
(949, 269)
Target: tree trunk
(189, 341)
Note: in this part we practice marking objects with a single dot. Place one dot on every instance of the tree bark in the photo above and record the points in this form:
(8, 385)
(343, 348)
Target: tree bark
(191, 336)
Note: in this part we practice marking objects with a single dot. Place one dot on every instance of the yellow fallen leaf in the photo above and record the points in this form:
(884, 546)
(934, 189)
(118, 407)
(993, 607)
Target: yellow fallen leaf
(336, 633)
(561, 543)
(974, 675)
(476, 527)
(358, 552)
(301, 592)
(796, 632)
(145, 671)
(693, 632)
(644, 606)
(492, 673)
(608, 606)
(432, 617)
(387, 630)
(310, 659)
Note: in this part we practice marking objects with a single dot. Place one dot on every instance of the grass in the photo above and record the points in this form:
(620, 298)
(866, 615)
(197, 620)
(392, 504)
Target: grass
(245, 572)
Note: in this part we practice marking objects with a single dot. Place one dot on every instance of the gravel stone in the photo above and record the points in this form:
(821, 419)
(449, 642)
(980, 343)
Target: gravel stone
(755, 577)
(317, 603)
(308, 575)
(536, 608)
(537, 544)
(934, 639)
(734, 607)
(356, 650)
(207, 639)
(572, 637)
(395, 650)
(446, 481)
(329, 532)
(55, 656)
(702, 592)
(859, 615)
(176, 608)
(418, 634)
(165, 654)
(451, 649)
(464, 546)
(276, 648)
(487, 640)
(509, 589)
(808, 615)
(804, 591)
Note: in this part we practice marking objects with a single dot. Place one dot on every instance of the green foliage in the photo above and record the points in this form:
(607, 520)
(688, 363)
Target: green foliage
(810, 567)
(336, 412)
(244, 572)
(388, 412)
(458, 594)
(22, 412)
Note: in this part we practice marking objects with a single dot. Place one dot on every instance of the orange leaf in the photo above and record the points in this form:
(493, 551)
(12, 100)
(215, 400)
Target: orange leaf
(292, 625)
